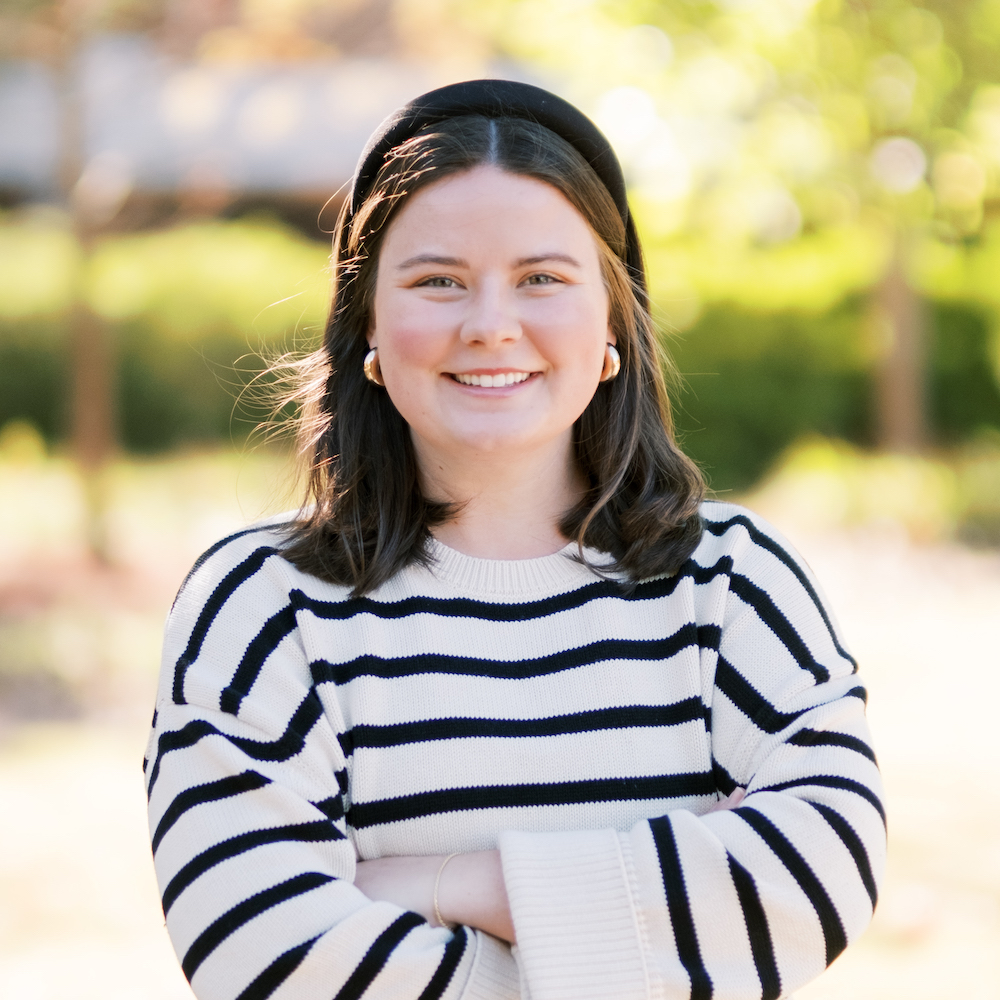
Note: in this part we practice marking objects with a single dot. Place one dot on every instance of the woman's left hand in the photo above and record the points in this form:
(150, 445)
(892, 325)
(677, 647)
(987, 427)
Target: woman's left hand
(471, 889)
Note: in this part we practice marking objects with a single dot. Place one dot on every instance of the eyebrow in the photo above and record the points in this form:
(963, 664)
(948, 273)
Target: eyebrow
(562, 258)
(430, 258)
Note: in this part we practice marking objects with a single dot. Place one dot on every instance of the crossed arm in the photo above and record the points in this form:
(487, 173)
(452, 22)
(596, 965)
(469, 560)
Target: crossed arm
(471, 889)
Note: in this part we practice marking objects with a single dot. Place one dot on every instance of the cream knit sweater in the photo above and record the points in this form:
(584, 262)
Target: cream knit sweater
(526, 705)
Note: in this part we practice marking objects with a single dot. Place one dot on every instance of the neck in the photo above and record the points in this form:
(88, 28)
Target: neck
(509, 506)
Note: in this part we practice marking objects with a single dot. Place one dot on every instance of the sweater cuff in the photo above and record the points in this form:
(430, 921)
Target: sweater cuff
(571, 900)
(494, 974)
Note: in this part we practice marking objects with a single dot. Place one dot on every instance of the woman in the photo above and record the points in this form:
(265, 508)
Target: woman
(477, 722)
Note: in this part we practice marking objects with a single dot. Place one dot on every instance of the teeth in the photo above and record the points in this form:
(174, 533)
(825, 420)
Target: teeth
(490, 381)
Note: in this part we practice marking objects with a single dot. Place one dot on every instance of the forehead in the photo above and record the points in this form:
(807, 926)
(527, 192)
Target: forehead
(489, 208)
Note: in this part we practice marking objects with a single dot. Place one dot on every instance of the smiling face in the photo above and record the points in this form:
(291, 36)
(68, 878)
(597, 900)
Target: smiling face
(490, 317)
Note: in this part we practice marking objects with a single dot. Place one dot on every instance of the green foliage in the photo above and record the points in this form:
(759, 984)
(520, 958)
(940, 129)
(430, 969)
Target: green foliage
(249, 278)
(756, 382)
(195, 311)
(172, 394)
(964, 394)
(252, 278)
(33, 376)
(39, 261)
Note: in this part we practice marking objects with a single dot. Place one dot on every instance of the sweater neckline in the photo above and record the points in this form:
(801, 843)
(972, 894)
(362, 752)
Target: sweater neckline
(512, 577)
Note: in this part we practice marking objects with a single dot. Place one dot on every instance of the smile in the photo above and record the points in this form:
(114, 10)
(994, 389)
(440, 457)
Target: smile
(491, 381)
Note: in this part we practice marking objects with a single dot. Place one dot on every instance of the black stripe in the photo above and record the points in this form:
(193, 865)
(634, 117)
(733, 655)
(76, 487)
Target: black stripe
(222, 543)
(798, 867)
(858, 692)
(679, 907)
(709, 636)
(287, 745)
(813, 738)
(831, 781)
(332, 808)
(625, 717)
(668, 786)
(318, 831)
(724, 781)
(453, 952)
(854, 844)
(233, 919)
(212, 791)
(275, 629)
(465, 607)
(178, 739)
(749, 700)
(277, 972)
(569, 659)
(757, 930)
(719, 528)
(377, 955)
(772, 616)
(225, 589)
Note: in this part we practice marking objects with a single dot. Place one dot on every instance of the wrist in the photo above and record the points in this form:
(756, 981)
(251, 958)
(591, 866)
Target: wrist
(471, 891)
(435, 903)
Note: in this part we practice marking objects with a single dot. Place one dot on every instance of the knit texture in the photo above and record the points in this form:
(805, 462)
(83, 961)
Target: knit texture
(530, 706)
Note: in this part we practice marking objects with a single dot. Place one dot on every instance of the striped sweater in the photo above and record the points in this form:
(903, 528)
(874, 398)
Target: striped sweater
(529, 706)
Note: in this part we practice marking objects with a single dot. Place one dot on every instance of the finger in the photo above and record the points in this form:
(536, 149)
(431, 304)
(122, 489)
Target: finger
(737, 796)
(731, 801)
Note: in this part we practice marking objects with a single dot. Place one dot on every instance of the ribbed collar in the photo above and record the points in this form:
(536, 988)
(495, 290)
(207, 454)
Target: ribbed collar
(513, 578)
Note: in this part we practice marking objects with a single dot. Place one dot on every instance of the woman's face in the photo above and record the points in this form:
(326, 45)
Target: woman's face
(490, 317)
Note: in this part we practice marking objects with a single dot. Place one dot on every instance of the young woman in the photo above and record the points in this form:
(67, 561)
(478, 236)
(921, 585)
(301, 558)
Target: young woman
(478, 722)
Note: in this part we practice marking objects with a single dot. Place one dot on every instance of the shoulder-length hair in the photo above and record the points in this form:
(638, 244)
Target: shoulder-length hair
(365, 516)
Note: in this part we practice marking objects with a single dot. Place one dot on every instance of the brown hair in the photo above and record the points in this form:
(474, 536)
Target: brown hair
(368, 516)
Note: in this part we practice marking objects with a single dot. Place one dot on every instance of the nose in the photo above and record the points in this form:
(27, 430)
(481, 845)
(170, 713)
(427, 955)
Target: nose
(492, 317)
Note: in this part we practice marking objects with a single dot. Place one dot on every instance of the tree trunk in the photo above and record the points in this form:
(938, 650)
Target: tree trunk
(92, 432)
(92, 420)
(900, 378)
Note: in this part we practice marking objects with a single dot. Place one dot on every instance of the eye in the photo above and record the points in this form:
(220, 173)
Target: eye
(541, 279)
(437, 281)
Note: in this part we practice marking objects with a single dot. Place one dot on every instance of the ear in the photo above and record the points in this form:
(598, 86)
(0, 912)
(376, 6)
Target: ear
(612, 339)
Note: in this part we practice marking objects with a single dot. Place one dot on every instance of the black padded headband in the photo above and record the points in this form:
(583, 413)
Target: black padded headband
(503, 99)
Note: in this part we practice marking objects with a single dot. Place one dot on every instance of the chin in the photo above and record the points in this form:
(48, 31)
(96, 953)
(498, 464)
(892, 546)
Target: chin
(497, 442)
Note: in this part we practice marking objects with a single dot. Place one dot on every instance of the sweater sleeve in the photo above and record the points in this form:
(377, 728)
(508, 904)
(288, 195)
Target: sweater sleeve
(247, 788)
(749, 903)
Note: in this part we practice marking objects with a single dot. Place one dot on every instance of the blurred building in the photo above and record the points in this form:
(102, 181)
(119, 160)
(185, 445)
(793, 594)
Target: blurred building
(160, 136)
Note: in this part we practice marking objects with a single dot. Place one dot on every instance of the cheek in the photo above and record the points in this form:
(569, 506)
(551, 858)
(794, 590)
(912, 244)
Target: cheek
(410, 339)
(576, 336)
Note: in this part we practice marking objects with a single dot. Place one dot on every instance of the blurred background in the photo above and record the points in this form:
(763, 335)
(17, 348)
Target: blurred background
(817, 183)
